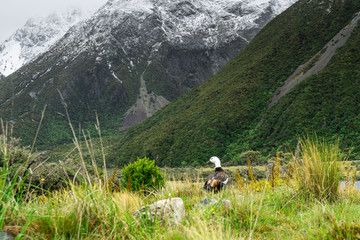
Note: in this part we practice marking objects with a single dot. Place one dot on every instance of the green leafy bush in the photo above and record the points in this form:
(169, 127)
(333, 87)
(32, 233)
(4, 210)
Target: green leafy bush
(142, 175)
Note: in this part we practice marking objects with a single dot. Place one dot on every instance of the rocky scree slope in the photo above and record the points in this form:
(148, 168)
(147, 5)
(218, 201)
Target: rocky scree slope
(131, 57)
(230, 113)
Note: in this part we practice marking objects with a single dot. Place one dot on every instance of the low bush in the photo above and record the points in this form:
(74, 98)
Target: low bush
(11, 152)
(254, 157)
(284, 157)
(142, 175)
(258, 174)
(31, 173)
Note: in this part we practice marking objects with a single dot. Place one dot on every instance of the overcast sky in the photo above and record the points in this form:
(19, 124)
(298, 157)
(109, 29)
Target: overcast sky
(14, 13)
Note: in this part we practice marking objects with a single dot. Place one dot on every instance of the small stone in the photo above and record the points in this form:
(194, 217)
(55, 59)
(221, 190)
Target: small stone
(6, 236)
(226, 203)
(208, 201)
(211, 201)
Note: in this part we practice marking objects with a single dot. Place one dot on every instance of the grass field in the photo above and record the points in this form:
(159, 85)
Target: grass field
(258, 212)
(304, 203)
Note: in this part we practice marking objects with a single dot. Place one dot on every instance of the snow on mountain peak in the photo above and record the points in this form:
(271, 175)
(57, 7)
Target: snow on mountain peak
(194, 24)
(34, 38)
(217, 21)
(209, 23)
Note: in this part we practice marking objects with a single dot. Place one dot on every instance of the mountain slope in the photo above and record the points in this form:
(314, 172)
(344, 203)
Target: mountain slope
(230, 112)
(326, 102)
(127, 61)
(34, 38)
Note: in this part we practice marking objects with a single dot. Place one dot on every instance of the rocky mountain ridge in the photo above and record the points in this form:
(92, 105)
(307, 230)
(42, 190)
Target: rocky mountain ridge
(299, 75)
(99, 64)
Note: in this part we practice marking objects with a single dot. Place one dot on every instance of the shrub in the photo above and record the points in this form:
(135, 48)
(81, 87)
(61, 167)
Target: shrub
(318, 172)
(254, 157)
(15, 166)
(142, 175)
(258, 174)
(11, 152)
(284, 157)
(30, 171)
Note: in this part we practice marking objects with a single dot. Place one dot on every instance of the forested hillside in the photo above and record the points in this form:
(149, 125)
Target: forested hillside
(230, 112)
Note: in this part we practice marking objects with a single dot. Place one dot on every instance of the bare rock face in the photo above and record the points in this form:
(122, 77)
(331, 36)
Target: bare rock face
(171, 209)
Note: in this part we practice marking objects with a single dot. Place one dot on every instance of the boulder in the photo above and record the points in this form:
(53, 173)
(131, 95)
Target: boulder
(205, 202)
(171, 209)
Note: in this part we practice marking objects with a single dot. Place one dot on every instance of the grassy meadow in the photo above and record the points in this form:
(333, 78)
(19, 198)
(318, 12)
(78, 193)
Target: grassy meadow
(303, 203)
(258, 212)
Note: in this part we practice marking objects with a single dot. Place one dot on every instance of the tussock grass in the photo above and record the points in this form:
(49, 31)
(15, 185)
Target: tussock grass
(14, 172)
(319, 171)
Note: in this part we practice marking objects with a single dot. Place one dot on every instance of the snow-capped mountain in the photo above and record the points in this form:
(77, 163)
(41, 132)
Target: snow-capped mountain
(34, 38)
(132, 57)
(182, 24)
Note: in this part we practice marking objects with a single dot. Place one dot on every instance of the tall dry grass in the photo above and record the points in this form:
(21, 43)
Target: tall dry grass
(319, 170)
